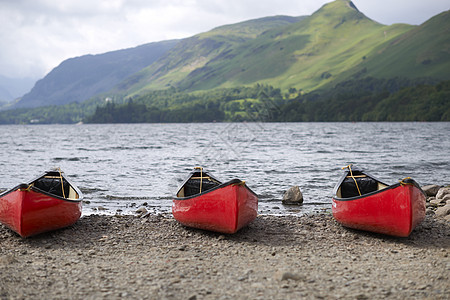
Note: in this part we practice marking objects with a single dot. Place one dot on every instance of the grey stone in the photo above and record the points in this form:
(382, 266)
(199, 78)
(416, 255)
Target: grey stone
(293, 196)
(282, 276)
(141, 210)
(443, 211)
(442, 192)
(429, 212)
(7, 260)
(438, 202)
(435, 203)
(292, 276)
(431, 190)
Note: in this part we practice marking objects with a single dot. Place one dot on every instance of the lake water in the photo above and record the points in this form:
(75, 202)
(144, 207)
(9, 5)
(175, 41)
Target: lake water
(120, 167)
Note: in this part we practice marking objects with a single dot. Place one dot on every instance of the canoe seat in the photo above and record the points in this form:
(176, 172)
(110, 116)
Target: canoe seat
(192, 186)
(52, 185)
(365, 184)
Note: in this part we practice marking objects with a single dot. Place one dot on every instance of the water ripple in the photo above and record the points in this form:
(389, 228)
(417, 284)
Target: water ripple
(123, 166)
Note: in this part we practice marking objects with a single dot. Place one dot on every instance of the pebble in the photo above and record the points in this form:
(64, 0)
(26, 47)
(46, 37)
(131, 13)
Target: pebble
(141, 210)
(292, 276)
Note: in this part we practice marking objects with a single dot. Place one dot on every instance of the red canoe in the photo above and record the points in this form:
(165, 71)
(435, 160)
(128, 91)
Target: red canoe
(46, 203)
(362, 202)
(204, 202)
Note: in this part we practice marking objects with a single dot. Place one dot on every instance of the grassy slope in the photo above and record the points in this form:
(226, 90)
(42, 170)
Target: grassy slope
(193, 53)
(307, 54)
(423, 51)
(336, 43)
(304, 55)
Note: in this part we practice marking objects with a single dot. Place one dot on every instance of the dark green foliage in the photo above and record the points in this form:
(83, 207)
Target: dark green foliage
(60, 114)
(419, 103)
(139, 113)
(372, 100)
(367, 99)
(172, 106)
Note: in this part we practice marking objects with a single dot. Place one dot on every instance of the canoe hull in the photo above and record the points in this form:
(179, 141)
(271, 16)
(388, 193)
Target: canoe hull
(46, 203)
(225, 209)
(395, 210)
(28, 212)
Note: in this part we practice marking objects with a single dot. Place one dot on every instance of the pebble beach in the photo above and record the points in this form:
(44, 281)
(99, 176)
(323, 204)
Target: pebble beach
(275, 257)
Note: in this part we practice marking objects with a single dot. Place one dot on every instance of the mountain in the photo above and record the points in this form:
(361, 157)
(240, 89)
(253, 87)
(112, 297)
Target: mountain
(193, 53)
(423, 51)
(78, 79)
(12, 88)
(306, 54)
(335, 44)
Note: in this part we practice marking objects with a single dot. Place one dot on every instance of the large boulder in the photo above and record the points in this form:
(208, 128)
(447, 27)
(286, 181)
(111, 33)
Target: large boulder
(442, 193)
(293, 196)
(431, 190)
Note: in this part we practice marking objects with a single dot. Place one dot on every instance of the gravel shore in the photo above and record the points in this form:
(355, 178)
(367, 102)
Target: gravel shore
(154, 257)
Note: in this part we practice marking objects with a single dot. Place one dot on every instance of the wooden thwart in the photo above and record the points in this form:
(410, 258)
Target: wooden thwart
(357, 176)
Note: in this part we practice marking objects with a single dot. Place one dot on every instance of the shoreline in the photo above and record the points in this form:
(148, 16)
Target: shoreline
(275, 257)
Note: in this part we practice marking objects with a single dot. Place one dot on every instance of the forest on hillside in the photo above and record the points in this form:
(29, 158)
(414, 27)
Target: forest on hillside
(362, 100)
(367, 99)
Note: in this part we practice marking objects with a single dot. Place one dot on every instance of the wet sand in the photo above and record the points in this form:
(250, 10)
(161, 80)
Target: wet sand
(154, 257)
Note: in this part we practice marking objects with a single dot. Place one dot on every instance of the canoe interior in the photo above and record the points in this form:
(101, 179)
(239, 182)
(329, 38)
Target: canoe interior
(57, 185)
(197, 183)
(358, 183)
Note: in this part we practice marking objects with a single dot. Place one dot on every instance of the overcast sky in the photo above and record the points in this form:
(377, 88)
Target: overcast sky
(37, 35)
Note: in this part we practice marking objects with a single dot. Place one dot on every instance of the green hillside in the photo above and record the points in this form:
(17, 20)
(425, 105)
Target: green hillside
(423, 51)
(304, 55)
(336, 43)
(194, 53)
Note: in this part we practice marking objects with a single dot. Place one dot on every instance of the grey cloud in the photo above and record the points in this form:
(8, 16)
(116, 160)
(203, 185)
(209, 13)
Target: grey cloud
(37, 35)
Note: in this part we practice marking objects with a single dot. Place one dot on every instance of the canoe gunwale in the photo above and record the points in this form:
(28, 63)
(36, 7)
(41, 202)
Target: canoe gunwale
(393, 186)
(207, 174)
(408, 181)
(220, 186)
(37, 190)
